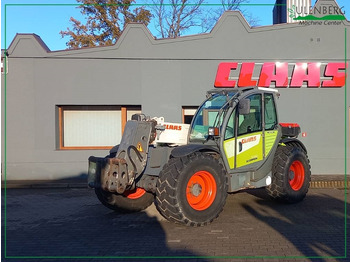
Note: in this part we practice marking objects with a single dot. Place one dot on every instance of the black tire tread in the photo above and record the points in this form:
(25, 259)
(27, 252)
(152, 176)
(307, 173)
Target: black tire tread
(277, 189)
(167, 185)
(123, 204)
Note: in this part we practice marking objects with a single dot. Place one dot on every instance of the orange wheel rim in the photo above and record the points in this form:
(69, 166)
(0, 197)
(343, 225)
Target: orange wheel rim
(134, 194)
(201, 190)
(296, 175)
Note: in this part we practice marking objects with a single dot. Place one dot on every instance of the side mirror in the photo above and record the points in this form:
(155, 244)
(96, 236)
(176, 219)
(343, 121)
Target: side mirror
(244, 107)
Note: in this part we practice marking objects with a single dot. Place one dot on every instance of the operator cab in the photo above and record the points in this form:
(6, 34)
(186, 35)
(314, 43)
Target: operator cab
(243, 123)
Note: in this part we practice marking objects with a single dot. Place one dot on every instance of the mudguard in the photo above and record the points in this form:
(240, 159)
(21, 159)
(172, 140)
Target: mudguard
(290, 140)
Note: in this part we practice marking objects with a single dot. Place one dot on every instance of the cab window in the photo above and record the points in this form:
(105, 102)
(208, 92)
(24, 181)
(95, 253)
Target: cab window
(207, 116)
(230, 128)
(270, 112)
(251, 122)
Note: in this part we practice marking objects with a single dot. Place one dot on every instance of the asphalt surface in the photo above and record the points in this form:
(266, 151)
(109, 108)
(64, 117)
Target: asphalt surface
(71, 225)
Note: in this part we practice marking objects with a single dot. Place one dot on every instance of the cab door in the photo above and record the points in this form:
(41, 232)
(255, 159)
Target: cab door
(249, 142)
(271, 123)
(243, 141)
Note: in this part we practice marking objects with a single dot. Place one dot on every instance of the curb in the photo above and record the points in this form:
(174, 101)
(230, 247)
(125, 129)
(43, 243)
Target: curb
(43, 184)
(330, 184)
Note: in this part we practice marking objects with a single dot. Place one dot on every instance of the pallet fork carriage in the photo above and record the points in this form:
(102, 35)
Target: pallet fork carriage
(234, 142)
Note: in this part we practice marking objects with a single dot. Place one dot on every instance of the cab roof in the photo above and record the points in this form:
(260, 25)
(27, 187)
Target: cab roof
(242, 90)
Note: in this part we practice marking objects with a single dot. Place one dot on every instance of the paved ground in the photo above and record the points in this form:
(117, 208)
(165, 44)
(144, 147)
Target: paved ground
(71, 225)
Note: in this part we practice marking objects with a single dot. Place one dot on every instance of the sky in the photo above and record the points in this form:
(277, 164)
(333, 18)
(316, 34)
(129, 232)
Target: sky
(47, 18)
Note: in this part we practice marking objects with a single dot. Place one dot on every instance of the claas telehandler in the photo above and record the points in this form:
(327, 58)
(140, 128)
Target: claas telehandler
(234, 142)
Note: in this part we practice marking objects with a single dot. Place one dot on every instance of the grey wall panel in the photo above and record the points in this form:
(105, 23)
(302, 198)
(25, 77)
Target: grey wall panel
(161, 89)
(86, 81)
(321, 114)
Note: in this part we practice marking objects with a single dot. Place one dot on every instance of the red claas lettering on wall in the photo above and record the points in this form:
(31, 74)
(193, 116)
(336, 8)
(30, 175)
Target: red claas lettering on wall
(278, 73)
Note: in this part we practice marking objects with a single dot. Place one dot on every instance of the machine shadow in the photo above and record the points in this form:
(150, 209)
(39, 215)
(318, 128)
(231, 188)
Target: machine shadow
(68, 232)
(315, 226)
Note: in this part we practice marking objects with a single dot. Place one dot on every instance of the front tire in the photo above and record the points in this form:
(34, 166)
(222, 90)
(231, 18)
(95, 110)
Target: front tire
(291, 174)
(191, 190)
(130, 201)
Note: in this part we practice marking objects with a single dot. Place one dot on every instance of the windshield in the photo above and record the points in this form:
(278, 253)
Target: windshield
(206, 116)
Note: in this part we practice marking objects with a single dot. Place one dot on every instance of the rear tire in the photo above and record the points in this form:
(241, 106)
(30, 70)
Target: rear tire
(191, 190)
(290, 174)
(129, 201)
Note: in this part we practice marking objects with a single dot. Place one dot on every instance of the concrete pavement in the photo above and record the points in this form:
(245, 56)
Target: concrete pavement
(71, 225)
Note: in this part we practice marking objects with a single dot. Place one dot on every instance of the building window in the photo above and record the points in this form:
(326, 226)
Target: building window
(188, 113)
(92, 127)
